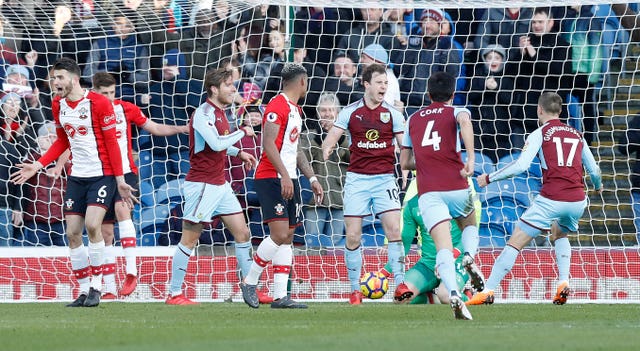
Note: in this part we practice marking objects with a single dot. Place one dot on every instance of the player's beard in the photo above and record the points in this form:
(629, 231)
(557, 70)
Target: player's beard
(64, 90)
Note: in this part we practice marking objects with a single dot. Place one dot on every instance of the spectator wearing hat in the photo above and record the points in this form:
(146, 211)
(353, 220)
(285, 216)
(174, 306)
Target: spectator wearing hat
(490, 99)
(375, 53)
(42, 213)
(428, 52)
(372, 30)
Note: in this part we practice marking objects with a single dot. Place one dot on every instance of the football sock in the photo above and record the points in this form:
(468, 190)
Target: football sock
(470, 240)
(395, 251)
(563, 258)
(109, 270)
(282, 261)
(501, 267)
(128, 241)
(353, 259)
(445, 267)
(80, 267)
(96, 259)
(407, 240)
(264, 254)
(179, 269)
(243, 256)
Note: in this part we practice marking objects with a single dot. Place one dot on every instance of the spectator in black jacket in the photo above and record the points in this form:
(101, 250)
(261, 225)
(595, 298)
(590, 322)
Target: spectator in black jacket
(629, 144)
(10, 213)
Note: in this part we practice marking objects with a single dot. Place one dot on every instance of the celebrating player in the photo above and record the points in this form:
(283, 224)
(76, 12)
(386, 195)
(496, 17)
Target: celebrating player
(86, 124)
(278, 188)
(207, 193)
(432, 146)
(126, 114)
(563, 153)
(373, 125)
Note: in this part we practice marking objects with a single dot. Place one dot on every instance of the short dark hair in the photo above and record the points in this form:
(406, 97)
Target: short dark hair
(102, 80)
(441, 86)
(368, 72)
(543, 10)
(551, 103)
(67, 64)
(292, 71)
(215, 78)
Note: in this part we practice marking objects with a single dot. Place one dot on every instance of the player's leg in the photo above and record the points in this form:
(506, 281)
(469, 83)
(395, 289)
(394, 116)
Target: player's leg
(407, 240)
(201, 200)
(462, 209)
(238, 228)
(357, 202)
(79, 257)
(436, 216)
(128, 239)
(110, 291)
(420, 279)
(566, 224)
(93, 224)
(386, 205)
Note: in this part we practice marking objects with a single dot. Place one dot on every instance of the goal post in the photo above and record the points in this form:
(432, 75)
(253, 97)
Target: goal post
(159, 57)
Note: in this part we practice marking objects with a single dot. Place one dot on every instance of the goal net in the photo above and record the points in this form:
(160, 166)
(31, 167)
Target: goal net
(502, 53)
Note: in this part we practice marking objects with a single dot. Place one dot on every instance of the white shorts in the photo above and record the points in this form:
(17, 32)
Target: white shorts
(543, 212)
(441, 206)
(362, 192)
(205, 201)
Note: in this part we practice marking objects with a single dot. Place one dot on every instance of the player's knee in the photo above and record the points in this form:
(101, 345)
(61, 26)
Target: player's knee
(241, 235)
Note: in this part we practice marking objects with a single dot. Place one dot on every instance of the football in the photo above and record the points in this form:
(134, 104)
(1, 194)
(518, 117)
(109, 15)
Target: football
(374, 285)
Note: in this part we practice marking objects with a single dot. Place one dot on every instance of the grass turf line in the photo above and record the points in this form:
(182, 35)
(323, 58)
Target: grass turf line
(324, 326)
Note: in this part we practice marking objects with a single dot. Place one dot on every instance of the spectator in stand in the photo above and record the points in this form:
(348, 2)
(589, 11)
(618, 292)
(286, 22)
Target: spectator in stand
(375, 53)
(15, 123)
(544, 64)
(170, 101)
(120, 54)
(324, 222)
(449, 29)
(370, 31)
(490, 103)
(270, 63)
(8, 45)
(629, 144)
(317, 29)
(344, 82)
(10, 213)
(205, 44)
(427, 53)
(43, 217)
(503, 26)
(56, 31)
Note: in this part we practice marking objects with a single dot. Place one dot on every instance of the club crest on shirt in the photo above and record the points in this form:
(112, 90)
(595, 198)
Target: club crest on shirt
(272, 117)
(83, 113)
(68, 204)
(385, 117)
(279, 209)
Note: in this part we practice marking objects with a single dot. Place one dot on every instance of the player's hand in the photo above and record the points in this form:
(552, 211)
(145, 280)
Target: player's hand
(286, 186)
(248, 130)
(326, 153)
(467, 171)
(318, 192)
(126, 193)
(248, 160)
(54, 172)
(26, 171)
(482, 180)
(183, 129)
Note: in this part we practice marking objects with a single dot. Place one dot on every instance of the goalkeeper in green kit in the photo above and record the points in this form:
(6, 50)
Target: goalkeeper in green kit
(421, 280)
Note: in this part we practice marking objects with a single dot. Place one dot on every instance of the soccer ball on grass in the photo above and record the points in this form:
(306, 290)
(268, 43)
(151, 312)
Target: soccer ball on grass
(374, 285)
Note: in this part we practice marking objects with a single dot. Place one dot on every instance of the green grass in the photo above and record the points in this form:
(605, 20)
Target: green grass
(324, 326)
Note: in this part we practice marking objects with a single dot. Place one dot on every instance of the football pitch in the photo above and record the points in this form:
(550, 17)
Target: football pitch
(324, 326)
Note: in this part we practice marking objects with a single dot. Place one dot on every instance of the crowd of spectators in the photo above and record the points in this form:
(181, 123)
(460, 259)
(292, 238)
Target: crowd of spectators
(159, 51)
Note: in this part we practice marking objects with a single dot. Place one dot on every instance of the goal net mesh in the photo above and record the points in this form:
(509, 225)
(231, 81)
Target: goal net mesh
(503, 54)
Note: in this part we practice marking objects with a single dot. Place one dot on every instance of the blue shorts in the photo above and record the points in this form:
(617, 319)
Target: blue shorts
(543, 212)
(441, 206)
(362, 192)
(205, 201)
